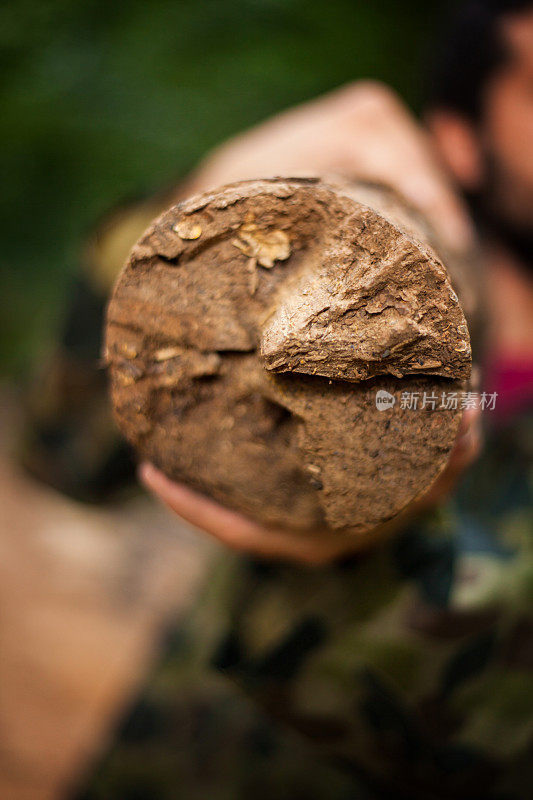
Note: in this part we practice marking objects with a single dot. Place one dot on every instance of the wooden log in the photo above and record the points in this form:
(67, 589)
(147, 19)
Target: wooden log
(250, 333)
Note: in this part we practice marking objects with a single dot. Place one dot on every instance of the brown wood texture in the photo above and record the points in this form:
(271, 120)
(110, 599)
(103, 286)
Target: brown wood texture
(250, 331)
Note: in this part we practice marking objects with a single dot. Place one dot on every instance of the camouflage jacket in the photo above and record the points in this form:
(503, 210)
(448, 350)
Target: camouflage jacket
(406, 670)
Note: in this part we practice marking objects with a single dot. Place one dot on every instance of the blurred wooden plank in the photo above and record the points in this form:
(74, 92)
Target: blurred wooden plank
(83, 596)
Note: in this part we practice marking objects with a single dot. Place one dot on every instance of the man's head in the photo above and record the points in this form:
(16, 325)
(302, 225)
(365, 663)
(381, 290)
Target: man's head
(480, 113)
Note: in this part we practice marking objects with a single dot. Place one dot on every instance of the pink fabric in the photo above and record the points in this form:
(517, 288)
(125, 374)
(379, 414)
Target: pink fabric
(512, 379)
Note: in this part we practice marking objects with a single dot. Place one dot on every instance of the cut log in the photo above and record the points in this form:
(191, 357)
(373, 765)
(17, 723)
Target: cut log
(250, 332)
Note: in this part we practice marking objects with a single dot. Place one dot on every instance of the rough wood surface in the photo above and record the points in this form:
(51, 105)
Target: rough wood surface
(250, 331)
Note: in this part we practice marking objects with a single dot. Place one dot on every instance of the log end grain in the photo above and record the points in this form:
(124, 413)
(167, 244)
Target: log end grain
(248, 335)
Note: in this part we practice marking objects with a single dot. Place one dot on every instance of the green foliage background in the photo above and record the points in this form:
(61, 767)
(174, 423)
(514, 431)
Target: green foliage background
(101, 101)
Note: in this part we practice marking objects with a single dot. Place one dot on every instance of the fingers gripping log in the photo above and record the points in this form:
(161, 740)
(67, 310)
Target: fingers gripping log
(250, 332)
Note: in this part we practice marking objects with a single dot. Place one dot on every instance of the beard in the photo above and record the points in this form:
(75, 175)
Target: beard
(502, 209)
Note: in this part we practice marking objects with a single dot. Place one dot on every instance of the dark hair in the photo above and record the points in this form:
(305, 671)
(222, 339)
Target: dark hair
(469, 52)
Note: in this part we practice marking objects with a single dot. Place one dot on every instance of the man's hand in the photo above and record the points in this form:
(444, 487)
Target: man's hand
(309, 547)
(362, 130)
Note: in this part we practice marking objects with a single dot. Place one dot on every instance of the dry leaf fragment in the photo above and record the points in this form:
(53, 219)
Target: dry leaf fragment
(127, 350)
(313, 468)
(428, 363)
(462, 347)
(266, 246)
(252, 269)
(187, 229)
(167, 352)
(182, 365)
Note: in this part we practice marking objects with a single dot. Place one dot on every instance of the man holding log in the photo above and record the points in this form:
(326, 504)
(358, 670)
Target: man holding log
(408, 666)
